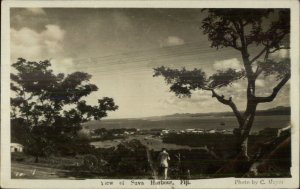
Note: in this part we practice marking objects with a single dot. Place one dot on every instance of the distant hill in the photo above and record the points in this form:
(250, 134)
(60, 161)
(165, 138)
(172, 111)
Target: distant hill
(279, 110)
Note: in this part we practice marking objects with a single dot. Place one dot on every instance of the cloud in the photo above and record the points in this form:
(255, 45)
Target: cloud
(260, 83)
(121, 21)
(62, 65)
(43, 45)
(172, 41)
(53, 32)
(198, 98)
(29, 17)
(36, 11)
(282, 53)
(228, 63)
(29, 44)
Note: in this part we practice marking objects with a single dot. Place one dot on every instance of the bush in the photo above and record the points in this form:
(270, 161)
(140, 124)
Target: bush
(90, 162)
(128, 158)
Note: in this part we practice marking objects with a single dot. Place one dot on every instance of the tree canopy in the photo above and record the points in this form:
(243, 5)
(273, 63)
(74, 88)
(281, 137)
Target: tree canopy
(51, 106)
(41, 95)
(267, 30)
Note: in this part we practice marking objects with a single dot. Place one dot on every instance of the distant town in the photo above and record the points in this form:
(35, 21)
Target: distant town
(108, 134)
(99, 133)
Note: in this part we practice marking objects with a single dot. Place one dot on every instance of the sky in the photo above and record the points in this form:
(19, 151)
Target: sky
(120, 48)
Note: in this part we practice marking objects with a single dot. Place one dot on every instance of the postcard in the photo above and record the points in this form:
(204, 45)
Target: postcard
(150, 94)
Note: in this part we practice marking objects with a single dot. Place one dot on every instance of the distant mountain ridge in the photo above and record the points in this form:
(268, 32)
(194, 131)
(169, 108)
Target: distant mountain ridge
(279, 110)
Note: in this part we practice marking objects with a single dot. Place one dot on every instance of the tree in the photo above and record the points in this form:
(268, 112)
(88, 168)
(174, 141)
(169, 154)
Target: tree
(265, 29)
(40, 98)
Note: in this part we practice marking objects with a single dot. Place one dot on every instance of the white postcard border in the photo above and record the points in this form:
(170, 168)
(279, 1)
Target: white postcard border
(7, 182)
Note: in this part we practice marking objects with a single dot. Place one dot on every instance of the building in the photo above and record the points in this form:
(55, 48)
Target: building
(16, 147)
(228, 132)
(165, 131)
(197, 131)
(211, 131)
(190, 130)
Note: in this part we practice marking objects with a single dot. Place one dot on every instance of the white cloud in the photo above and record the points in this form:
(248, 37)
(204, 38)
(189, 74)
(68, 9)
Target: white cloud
(29, 44)
(64, 65)
(200, 95)
(237, 85)
(260, 83)
(53, 32)
(228, 63)
(172, 41)
(199, 98)
(18, 18)
(36, 11)
(121, 21)
(283, 53)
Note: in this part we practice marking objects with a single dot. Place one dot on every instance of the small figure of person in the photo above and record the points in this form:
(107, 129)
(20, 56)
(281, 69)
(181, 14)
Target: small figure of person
(164, 158)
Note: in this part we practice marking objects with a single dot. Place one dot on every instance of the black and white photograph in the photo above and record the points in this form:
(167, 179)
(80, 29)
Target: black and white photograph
(151, 93)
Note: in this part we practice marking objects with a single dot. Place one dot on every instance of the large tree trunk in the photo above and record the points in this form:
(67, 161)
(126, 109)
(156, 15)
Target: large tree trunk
(245, 130)
(240, 163)
(244, 148)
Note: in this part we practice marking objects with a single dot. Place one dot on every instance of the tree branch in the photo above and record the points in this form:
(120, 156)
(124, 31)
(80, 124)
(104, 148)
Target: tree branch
(257, 72)
(232, 43)
(267, 47)
(280, 48)
(275, 91)
(259, 54)
(228, 102)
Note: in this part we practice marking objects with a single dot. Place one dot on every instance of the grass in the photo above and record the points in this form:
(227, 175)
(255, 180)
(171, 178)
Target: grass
(52, 161)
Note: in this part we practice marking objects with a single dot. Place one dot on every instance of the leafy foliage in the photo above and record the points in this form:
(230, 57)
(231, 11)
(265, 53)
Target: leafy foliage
(280, 69)
(19, 131)
(182, 81)
(40, 97)
(232, 27)
(276, 35)
(133, 160)
(221, 25)
(224, 78)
